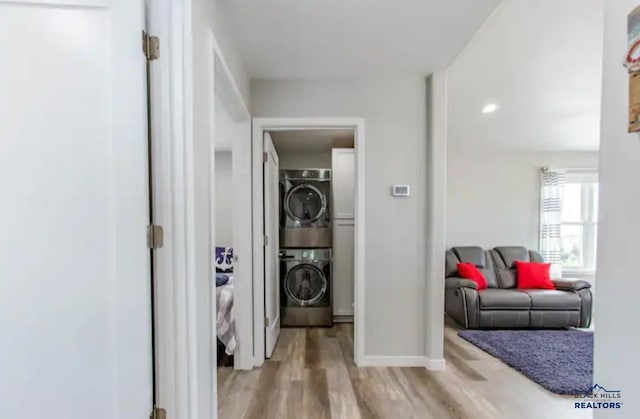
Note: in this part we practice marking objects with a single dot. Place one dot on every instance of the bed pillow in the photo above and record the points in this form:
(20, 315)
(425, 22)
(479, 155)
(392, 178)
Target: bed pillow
(224, 259)
(221, 279)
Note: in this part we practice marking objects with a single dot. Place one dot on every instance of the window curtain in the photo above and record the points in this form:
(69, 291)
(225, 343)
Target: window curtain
(551, 196)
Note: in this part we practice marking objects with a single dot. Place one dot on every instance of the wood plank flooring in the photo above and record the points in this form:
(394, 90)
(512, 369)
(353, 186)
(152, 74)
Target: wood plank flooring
(312, 376)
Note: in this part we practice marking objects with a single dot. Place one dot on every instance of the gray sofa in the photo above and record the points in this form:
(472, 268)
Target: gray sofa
(501, 304)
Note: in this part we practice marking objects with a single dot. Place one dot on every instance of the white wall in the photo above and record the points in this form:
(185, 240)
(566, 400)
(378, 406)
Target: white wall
(224, 199)
(396, 150)
(493, 197)
(616, 309)
(437, 85)
(212, 14)
(304, 160)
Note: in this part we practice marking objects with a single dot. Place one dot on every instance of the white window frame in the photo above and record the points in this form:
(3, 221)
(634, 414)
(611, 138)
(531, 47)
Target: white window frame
(587, 179)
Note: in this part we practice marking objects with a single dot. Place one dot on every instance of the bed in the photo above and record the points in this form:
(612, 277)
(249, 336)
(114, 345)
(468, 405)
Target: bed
(225, 326)
(225, 316)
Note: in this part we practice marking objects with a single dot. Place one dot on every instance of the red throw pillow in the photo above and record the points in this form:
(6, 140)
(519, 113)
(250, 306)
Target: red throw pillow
(534, 275)
(468, 270)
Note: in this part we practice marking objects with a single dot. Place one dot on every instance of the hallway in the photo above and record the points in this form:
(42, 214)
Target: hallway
(312, 375)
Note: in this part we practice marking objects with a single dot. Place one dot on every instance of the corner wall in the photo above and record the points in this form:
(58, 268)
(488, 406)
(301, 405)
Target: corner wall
(305, 160)
(224, 199)
(436, 217)
(616, 309)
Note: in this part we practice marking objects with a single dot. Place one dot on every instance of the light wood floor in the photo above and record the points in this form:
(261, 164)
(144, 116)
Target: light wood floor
(312, 375)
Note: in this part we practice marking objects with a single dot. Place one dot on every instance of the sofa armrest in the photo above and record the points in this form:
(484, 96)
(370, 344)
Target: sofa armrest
(570, 284)
(454, 282)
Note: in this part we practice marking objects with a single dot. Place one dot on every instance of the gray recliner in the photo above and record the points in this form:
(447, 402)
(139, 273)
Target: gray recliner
(501, 304)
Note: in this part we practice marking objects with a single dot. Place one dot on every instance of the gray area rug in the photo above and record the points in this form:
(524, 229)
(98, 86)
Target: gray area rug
(559, 360)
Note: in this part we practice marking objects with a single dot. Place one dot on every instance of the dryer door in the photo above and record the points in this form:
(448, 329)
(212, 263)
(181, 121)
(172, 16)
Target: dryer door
(305, 284)
(305, 203)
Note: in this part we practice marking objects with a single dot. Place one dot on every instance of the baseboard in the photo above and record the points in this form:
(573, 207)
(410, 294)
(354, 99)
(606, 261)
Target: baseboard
(343, 318)
(434, 364)
(393, 361)
(343, 312)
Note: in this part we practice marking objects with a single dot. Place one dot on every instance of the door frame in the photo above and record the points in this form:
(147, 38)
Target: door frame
(260, 125)
(181, 390)
(170, 113)
(229, 93)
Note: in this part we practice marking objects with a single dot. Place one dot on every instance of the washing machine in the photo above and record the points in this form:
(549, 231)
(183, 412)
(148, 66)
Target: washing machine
(305, 284)
(305, 212)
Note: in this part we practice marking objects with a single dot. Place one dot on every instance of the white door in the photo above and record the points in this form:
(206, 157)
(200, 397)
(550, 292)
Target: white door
(272, 247)
(74, 267)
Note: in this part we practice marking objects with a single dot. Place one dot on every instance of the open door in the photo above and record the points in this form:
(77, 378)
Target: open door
(74, 277)
(272, 246)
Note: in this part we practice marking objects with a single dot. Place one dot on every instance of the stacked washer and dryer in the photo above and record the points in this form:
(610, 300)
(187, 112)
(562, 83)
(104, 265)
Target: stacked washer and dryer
(305, 253)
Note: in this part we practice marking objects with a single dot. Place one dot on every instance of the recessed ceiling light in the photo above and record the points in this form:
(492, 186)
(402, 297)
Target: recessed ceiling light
(490, 108)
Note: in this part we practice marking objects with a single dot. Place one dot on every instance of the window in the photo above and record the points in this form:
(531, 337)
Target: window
(579, 226)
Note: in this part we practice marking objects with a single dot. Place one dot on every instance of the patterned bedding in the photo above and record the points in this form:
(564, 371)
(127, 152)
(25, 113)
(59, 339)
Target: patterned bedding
(225, 316)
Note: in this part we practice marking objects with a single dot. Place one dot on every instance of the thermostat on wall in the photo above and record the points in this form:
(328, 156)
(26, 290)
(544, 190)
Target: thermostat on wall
(400, 190)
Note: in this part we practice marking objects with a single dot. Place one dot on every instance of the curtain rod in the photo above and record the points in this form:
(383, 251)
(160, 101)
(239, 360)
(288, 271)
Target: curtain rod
(545, 169)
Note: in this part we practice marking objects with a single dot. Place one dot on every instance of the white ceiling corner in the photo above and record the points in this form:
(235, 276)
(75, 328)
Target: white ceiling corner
(541, 62)
(282, 39)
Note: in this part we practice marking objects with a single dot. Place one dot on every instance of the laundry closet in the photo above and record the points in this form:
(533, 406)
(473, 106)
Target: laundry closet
(315, 222)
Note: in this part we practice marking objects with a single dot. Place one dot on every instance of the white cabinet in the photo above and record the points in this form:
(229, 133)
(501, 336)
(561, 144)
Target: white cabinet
(343, 284)
(343, 192)
(343, 182)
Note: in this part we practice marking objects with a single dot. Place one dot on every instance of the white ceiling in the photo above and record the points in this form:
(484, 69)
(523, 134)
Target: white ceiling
(351, 38)
(312, 140)
(540, 61)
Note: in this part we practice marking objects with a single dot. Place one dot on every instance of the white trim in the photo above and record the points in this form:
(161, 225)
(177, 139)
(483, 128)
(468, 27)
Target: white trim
(393, 361)
(435, 364)
(403, 361)
(343, 312)
(283, 124)
(180, 377)
(342, 319)
(436, 212)
(171, 22)
(226, 88)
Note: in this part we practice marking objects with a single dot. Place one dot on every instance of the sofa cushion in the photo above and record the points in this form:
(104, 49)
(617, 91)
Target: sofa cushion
(501, 299)
(471, 254)
(553, 299)
(510, 254)
(505, 264)
(450, 264)
(480, 258)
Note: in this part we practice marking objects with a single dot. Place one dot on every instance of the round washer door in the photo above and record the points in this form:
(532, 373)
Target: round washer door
(305, 203)
(305, 284)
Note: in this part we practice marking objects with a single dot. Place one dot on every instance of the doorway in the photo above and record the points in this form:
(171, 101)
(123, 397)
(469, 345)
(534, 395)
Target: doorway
(312, 285)
(186, 208)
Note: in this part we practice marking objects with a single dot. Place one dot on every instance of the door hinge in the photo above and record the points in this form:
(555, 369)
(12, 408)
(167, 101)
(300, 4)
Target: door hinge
(158, 413)
(155, 237)
(266, 240)
(267, 322)
(265, 157)
(150, 46)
